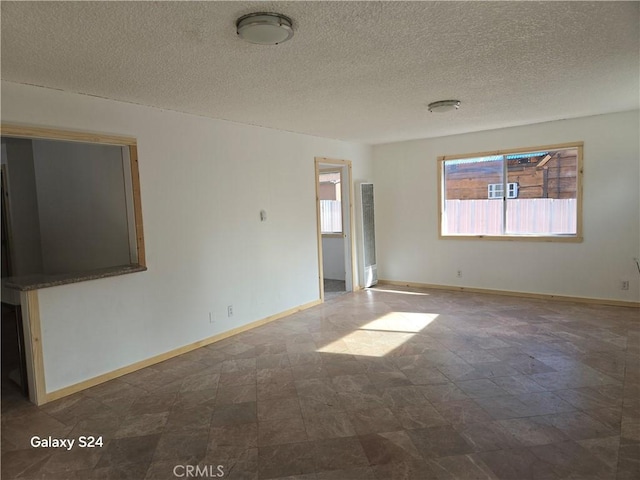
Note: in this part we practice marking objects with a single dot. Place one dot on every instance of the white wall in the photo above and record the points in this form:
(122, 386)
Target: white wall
(333, 261)
(203, 184)
(408, 247)
(82, 208)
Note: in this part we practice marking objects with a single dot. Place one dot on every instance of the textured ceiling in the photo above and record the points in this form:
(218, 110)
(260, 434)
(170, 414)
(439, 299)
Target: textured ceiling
(358, 71)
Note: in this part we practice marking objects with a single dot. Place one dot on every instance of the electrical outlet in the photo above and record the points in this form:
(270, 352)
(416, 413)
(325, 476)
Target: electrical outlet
(230, 311)
(459, 274)
(624, 285)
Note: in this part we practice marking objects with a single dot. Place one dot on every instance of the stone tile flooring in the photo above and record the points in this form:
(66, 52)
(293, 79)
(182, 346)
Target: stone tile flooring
(334, 288)
(388, 383)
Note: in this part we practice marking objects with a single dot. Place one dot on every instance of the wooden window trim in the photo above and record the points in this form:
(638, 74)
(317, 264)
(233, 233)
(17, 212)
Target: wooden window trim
(45, 133)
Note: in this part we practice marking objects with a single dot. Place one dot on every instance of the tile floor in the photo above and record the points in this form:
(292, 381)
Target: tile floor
(381, 384)
(333, 288)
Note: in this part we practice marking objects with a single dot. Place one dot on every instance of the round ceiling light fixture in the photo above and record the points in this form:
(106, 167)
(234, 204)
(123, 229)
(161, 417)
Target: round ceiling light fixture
(264, 28)
(444, 106)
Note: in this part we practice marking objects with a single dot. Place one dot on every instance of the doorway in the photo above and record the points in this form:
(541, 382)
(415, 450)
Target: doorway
(334, 206)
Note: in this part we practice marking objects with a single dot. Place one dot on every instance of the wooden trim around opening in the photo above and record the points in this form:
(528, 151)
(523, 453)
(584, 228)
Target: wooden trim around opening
(537, 148)
(63, 392)
(352, 228)
(46, 133)
(29, 299)
(319, 234)
(352, 232)
(332, 161)
(508, 293)
(137, 204)
(33, 346)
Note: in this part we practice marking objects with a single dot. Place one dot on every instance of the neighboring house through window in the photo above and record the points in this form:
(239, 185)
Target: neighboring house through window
(330, 202)
(543, 194)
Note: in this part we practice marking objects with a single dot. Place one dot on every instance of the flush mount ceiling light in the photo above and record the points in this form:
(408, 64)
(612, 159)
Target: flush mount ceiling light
(444, 106)
(264, 28)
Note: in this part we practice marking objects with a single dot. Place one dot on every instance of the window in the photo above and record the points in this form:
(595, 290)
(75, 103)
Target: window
(543, 194)
(330, 202)
(496, 190)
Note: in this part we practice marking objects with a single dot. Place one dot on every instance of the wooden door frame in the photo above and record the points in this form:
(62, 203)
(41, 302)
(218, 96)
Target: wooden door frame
(320, 161)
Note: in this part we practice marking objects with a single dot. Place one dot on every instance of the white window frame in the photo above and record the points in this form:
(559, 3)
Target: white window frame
(337, 234)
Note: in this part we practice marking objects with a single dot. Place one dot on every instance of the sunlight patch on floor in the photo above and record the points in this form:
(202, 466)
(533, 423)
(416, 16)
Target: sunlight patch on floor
(403, 292)
(382, 335)
(401, 322)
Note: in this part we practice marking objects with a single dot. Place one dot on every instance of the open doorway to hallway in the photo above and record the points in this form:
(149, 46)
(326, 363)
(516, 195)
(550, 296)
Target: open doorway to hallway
(335, 231)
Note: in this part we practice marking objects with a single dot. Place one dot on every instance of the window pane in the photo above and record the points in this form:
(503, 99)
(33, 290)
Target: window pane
(546, 203)
(330, 202)
(471, 206)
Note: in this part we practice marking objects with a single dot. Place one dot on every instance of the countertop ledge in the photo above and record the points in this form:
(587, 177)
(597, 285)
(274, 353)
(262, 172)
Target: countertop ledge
(41, 280)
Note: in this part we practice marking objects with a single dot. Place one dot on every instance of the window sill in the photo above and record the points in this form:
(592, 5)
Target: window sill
(516, 238)
(41, 280)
